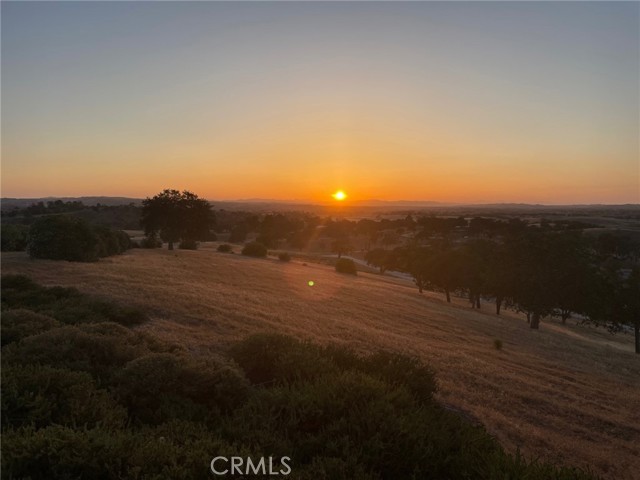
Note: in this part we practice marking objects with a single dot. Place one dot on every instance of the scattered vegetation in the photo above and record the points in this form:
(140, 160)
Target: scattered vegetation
(99, 400)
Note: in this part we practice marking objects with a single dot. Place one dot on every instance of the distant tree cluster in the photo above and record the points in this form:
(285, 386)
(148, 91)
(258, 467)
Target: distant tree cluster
(66, 237)
(538, 272)
(177, 216)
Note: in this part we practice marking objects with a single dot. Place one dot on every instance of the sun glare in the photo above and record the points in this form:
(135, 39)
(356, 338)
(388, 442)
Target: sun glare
(339, 195)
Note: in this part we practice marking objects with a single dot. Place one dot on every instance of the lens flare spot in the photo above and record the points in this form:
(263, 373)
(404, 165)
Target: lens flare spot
(311, 283)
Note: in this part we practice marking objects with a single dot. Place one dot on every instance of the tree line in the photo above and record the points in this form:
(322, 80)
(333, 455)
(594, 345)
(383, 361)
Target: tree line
(540, 273)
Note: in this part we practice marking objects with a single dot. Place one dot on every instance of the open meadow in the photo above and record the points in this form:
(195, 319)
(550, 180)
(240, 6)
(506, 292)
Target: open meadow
(565, 394)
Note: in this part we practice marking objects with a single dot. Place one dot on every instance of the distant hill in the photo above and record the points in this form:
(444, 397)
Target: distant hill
(261, 204)
(10, 203)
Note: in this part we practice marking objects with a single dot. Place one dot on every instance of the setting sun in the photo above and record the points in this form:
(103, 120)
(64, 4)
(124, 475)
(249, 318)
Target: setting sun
(339, 195)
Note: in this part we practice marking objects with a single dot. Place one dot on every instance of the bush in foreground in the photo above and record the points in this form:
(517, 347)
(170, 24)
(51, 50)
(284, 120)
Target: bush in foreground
(67, 305)
(254, 249)
(21, 323)
(99, 400)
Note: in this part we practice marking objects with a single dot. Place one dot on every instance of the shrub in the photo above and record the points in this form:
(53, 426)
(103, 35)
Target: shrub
(151, 241)
(83, 348)
(179, 451)
(63, 237)
(66, 237)
(66, 305)
(284, 256)
(497, 344)
(40, 395)
(224, 248)
(161, 386)
(254, 249)
(21, 323)
(346, 265)
(111, 242)
(13, 237)
(273, 358)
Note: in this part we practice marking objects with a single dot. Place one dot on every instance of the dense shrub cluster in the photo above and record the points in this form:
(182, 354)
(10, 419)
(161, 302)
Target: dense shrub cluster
(66, 237)
(99, 400)
(254, 249)
(66, 305)
(14, 237)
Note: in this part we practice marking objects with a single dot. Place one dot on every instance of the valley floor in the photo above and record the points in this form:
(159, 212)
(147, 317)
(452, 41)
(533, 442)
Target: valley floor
(567, 394)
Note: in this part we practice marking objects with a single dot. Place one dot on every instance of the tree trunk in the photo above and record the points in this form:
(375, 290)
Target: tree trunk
(565, 315)
(498, 305)
(478, 301)
(170, 245)
(446, 292)
(528, 317)
(636, 328)
(535, 321)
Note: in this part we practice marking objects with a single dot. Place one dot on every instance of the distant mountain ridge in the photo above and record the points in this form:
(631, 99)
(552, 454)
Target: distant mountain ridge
(10, 203)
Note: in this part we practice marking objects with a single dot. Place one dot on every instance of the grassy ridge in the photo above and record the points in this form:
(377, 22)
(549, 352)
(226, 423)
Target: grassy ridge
(85, 396)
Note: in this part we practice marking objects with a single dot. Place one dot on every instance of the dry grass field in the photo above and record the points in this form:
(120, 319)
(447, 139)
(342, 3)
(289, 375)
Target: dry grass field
(566, 394)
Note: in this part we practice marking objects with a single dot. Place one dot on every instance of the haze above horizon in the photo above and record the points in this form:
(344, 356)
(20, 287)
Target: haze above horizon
(451, 102)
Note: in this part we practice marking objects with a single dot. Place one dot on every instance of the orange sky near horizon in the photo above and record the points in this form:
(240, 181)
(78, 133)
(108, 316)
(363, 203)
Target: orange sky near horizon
(452, 102)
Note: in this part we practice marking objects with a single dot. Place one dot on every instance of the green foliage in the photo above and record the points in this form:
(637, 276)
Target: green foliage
(284, 256)
(266, 359)
(161, 386)
(14, 237)
(254, 249)
(66, 305)
(179, 451)
(21, 323)
(278, 359)
(66, 237)
(99, 400)
(99, 350)
(224, 248)
(346, 265)
(177, 216)
(41, 395)
(63, 237)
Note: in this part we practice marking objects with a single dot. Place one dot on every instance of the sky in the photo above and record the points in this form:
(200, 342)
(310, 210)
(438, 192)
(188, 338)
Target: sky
(482, 102)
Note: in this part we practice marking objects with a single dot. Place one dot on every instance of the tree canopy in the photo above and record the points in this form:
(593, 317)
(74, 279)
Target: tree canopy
(177, 216)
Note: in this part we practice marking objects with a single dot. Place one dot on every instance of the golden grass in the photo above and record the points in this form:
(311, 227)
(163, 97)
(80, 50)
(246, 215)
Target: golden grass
(566, 394)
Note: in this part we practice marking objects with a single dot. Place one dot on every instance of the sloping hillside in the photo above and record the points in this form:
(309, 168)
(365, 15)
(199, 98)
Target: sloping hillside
(566, 394)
